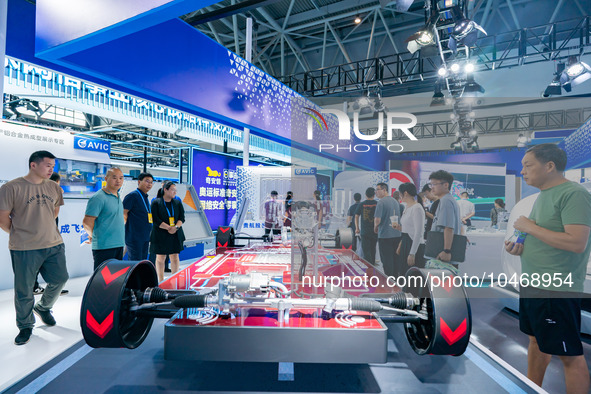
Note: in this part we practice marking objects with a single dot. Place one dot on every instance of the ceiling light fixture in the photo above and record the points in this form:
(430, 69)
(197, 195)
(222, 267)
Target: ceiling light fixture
(575, 73)
(464, 32)
(438, 97)
(472, 88)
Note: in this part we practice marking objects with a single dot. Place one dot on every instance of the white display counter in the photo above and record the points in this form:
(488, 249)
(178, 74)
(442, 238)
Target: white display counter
(484, 254)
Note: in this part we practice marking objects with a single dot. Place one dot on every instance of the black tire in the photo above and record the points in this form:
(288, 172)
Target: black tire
(448, 329)
(105, 317)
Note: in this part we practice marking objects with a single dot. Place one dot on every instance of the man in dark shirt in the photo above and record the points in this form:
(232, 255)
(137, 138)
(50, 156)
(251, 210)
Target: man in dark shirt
(364, 224)
(351, 217)
(430, 213)
(138, 219)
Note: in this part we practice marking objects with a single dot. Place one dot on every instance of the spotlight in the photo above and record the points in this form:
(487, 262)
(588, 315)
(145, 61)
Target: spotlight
(576, 73)
(473, 133)
(464, 32)
(422, 38)
(425, 38)
(442, 72)
(553, 89)
(363, 102)
(455, 67)
(379, 105)
(521, 141)
(472, 88)
(365, 105)
(366, 110)
(469, 68)
(575, 70)
(357, 19)
(438, 98)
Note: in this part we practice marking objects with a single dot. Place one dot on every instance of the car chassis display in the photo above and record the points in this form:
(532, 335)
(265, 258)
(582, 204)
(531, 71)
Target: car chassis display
(253, 317)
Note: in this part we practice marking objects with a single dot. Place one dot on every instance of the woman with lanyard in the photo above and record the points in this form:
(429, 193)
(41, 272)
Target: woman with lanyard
(167, 234)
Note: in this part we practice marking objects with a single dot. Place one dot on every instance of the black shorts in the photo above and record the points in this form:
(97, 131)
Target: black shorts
(554, 318)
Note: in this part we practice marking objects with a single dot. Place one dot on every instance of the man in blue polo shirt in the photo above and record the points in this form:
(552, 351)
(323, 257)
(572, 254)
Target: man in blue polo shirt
(138, 219)
(103, 220)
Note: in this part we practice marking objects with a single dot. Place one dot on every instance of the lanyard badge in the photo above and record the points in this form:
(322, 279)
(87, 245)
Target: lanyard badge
(170, 217)
(150, 220)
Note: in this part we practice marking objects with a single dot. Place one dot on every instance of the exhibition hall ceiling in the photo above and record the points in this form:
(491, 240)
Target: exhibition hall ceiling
(308, 44)
(295, 37)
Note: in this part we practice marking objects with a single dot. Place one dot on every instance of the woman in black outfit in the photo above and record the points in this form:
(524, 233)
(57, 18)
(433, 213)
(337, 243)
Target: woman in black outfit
(167, 235)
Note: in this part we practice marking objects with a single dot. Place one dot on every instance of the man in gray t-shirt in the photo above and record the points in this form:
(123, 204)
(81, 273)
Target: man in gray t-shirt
(447, 217)
(388, 237)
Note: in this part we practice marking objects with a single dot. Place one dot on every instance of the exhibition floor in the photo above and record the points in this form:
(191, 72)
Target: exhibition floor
(144, 370)
(46, 343)
(56, 360)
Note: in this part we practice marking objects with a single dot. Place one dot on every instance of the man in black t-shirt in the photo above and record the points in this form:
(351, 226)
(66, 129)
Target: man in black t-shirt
(364, 225)
(351, 217)
(430, 213)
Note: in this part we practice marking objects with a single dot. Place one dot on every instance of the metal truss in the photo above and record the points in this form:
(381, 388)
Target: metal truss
(514, 123)
(404, 73)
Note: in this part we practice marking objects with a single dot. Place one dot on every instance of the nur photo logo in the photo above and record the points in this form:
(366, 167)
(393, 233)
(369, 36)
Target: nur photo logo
(402, 121)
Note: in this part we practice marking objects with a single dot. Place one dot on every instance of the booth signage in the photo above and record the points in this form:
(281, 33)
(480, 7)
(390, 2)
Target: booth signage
(305, 171)
(92, 145)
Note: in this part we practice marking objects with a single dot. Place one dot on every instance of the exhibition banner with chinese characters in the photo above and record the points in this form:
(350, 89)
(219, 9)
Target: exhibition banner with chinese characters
(214, 179)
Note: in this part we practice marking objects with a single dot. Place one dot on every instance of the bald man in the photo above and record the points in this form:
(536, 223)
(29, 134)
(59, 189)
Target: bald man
(104, 222)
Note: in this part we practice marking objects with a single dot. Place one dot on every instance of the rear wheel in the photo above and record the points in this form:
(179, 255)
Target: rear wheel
(447, 330)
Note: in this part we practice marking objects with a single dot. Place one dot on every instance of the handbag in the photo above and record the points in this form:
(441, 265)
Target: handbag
(435, 242)
(405, 247)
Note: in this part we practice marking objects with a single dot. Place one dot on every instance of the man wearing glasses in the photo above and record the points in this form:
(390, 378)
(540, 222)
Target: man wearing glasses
(447, 217)
(138, 219)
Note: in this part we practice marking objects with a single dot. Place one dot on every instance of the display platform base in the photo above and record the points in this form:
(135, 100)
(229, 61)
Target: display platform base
(257, 336)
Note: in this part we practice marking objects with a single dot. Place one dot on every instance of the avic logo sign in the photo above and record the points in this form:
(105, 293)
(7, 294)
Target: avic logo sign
(393, 122)
(92, 145)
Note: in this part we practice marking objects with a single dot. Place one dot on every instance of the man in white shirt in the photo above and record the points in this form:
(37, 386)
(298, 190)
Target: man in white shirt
(467, 210)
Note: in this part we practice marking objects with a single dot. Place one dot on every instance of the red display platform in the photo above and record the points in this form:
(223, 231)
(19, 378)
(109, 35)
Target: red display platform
(275, 260)
(258, 334)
